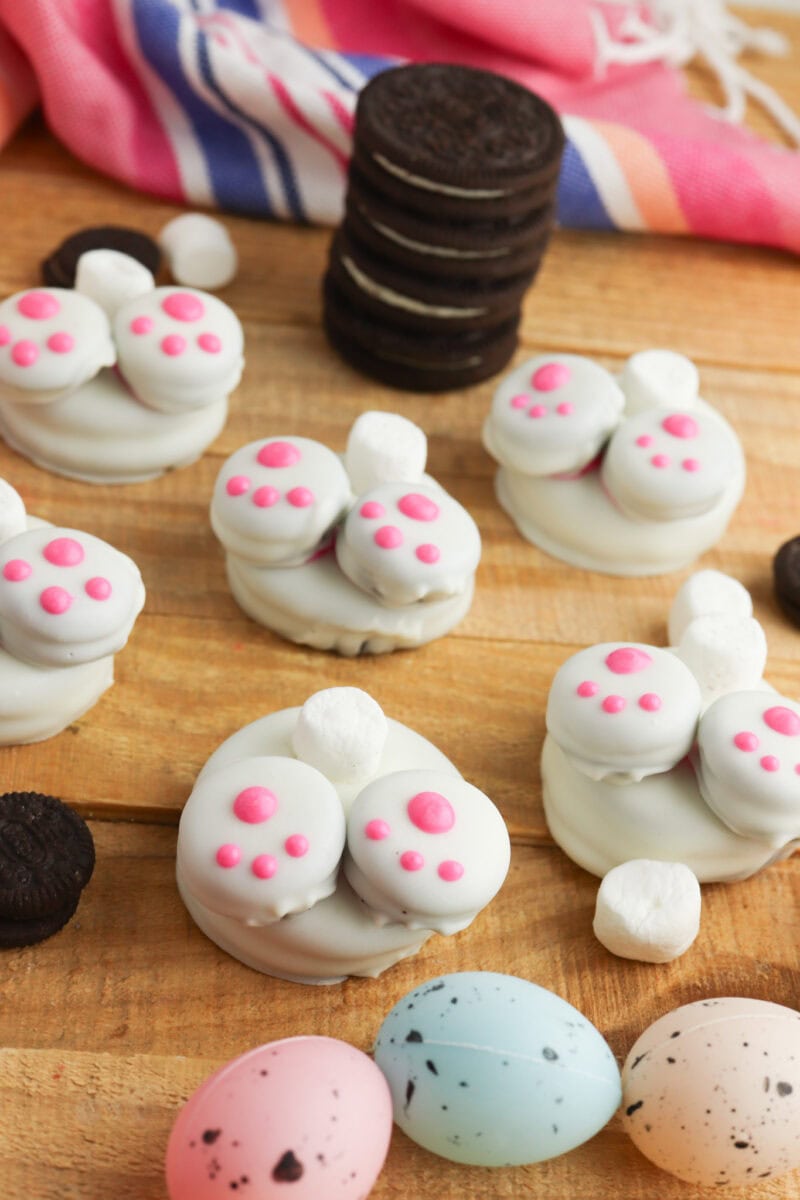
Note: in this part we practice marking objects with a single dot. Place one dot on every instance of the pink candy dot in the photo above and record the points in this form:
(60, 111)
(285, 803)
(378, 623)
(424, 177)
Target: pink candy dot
(520, 401)
(680, 425)
(746, 741)
(173, 345)
(55, 600)
(377, 830)
(278, 454)
(64, 552)
(255, 804)
(770, 763)
(450, 871)
(691, 464)
(614, 704)
(38, 306)
(237, 485)
(183, 306)
(411, 860)
(550, 377)
(300, 497)
(431, 812)
(428, 553)
(25, 353)
(5, 335)
(644, 439)
(627, 660)
(371, 509)
(660, 461)
(141, 325)
(16, 570)
(265, 497)
(98, 588)
(782, 720)
(264, 866)
(229, 855)
(388, 537)
(565, 408)
(60, 343)
(538, 410)
(296, 845)
(418, 508)
(650, 702)
(210, 343)
(587, 689)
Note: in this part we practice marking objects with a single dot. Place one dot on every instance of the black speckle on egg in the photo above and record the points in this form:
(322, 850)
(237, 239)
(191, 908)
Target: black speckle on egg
(454, 1000)
(670, 1060)
(431, 1065)
(211, 1135)
(637, 1060)
(766, 1083)
(555, 1128)
(742, 1145)
(463, 1083)
(435, 987)
(414, 1036)
(632, 1108)
(549, 1053)
(783, 1088)
(287, 1169)
(410, 1087)
(677, 1033)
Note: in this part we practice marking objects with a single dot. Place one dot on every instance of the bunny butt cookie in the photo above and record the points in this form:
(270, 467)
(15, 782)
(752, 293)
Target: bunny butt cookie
(262, 864)
(322, 563)
(640, 492)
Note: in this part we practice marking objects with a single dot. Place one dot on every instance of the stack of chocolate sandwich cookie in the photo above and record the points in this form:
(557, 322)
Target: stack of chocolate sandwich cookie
(449, 208)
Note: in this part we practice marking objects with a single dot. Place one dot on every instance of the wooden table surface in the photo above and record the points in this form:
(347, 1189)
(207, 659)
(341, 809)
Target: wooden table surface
(109, 1026)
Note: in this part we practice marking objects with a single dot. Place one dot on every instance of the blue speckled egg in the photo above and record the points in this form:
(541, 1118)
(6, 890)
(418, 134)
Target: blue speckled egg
(495, 1071)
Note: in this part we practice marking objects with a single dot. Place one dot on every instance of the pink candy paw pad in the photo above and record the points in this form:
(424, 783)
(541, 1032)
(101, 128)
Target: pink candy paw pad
(188, 310)
(429, 812)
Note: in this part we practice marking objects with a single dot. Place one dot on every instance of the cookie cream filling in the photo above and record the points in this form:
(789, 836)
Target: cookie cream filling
(398, 300)
(446, 189)
(434, 251)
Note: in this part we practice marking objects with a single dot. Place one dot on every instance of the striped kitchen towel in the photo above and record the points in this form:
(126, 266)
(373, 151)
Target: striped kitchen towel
(248, 104)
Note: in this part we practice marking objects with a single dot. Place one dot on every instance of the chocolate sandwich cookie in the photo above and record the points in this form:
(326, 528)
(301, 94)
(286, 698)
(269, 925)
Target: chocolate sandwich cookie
(786, 577)
(462, 142)
(46, 859)
(59, 268)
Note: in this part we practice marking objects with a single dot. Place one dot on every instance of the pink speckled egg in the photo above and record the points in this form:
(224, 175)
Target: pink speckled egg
(298, 1119)
(711, 1092)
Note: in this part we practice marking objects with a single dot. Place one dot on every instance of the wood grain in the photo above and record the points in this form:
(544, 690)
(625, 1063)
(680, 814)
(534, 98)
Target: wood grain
(110, 1025)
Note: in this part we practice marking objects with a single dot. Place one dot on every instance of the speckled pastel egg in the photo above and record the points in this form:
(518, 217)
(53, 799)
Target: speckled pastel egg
(495, 1071)
(711, 1092)
(298, 1119)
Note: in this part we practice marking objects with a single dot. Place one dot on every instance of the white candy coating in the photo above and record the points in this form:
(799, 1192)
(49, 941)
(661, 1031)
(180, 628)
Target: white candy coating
(384, 448)
(648, 910)
(342, 732)
(659, 379)
(199, 251)
(703, 593)
(12, 512)
(111, 278)
(724, 653)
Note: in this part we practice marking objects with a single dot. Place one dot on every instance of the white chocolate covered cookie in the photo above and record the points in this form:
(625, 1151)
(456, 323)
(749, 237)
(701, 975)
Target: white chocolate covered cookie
(621, 712)
(66, 597)
(261, 838)
(748, 764)
(13, 518)
(51, 341)
(553, 414)
(38, 702)
(403, 544)
(425, 850)
(179, 349)
(276, 500)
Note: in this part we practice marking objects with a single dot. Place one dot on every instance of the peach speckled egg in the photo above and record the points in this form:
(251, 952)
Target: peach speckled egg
(298, 1119)
(711, 1091)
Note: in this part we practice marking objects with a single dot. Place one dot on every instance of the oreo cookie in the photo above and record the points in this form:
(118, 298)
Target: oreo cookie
(46, 859)
(59, 268)
(786, 577)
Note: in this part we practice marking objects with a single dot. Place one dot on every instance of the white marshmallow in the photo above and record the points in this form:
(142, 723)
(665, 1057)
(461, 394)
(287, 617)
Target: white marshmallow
(658, 379)
(724, 653)
(384, 448)
(13, 519)
(342, 732)
(199, 251)
(704, 593)
(111, 278)
(648, 911)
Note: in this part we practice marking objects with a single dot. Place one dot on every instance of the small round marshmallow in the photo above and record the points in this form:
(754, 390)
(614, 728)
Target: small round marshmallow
(404, 543)
(199, 251)
(342, 732)
(552, 415)
(648, 910)
(276, 501)
(724, 653)
(659, 379)
(621, 712)
(704, 593)
(111, 279)
(384, 448)
(13, 518)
